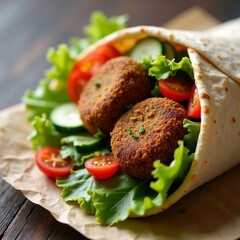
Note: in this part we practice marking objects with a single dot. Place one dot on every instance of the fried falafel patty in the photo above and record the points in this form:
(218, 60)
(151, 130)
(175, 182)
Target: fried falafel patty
(119, 83)
(147, 132)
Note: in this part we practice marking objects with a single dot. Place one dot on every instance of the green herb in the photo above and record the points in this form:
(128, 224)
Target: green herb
(129, 131)
(142, 130)
(132, 134)
(97, 84)
(135, 136)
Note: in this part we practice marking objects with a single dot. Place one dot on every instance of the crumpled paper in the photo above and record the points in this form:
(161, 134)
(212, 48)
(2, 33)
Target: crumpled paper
(210, 212)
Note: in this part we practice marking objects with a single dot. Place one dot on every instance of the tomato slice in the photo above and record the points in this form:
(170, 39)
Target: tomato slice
(76, 82)
(102, 167)
(176, 88)
(91, 63)
(108, 50)
(88, 66)
(50, 162)
(194, 107)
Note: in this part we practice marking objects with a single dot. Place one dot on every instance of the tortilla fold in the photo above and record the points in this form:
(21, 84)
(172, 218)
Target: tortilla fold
(215, 57)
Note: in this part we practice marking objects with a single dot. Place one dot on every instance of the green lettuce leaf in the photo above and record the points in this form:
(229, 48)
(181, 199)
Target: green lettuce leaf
(191, 138)
(75, 188)
(51, 91)
(101, 26)
(175, 172)
(110, 200)
(162, 68)
(71, 151)
(62, 63)
(84, 146)
(84, 142)
(114, 199)
(78, 159)
(44, 133)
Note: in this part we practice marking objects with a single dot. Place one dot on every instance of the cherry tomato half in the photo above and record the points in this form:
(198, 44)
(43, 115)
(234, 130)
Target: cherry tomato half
(102, 167)
(77, 80)
(49, 161)
(82, 72)
(88, 66)
(107, 50)
(194, 107)
(176, 88)
(91, 63)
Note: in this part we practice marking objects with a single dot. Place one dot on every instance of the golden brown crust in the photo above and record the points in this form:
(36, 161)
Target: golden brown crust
(160, 122)
(119, 83)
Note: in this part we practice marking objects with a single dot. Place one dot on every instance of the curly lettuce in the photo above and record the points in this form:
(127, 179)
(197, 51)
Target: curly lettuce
(162, 68)
(114, 199)
(52, 89)
(44, 133)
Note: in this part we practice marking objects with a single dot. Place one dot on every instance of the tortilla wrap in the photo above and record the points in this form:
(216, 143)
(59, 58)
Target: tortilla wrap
(221, 219)
(215, 58)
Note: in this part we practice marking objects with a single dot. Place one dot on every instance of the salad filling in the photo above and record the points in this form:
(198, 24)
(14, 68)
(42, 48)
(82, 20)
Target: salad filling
(119, 195)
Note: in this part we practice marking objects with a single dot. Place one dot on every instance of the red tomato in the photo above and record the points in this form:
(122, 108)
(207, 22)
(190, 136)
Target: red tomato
(176, 88)
(82, 72)
(49, 161)
(91, 63)
(108, 50)
(102, 167)
(194, 108)
(75, 84)
(86, 67)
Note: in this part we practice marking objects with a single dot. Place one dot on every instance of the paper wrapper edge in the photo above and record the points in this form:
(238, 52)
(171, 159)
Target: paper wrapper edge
(211, 216)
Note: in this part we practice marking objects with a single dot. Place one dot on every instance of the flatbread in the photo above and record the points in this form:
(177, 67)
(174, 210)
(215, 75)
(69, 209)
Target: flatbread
(216, 64)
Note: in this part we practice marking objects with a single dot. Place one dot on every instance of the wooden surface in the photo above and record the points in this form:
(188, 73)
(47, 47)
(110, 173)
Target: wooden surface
(27, 29)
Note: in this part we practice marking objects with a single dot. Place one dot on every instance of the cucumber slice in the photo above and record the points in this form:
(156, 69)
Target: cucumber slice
(168, 50)
(66, 118)
(145, 48)
(83, 142)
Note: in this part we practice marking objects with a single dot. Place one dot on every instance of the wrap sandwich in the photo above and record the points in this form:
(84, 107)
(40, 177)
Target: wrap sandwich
(215, 62)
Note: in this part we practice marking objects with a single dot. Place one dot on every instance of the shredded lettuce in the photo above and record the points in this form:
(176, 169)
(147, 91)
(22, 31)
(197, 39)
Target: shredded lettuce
(114, 199)
(162, 68)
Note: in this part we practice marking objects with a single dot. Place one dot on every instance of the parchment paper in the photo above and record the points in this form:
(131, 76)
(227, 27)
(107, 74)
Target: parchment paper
(210, 212)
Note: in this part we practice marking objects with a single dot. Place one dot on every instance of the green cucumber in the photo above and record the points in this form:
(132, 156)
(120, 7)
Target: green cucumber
(66, 118)
(168, 50)
(145, 48)
(83, 142)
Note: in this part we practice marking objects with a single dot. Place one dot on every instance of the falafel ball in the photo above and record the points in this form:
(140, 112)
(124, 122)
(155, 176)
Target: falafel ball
(147, 132)
(119, 83)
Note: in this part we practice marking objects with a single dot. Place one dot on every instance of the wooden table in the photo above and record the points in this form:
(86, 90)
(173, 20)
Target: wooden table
(27, 29)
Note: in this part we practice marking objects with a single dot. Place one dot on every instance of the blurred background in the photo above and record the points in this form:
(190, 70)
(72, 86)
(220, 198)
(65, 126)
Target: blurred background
(29, 28)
